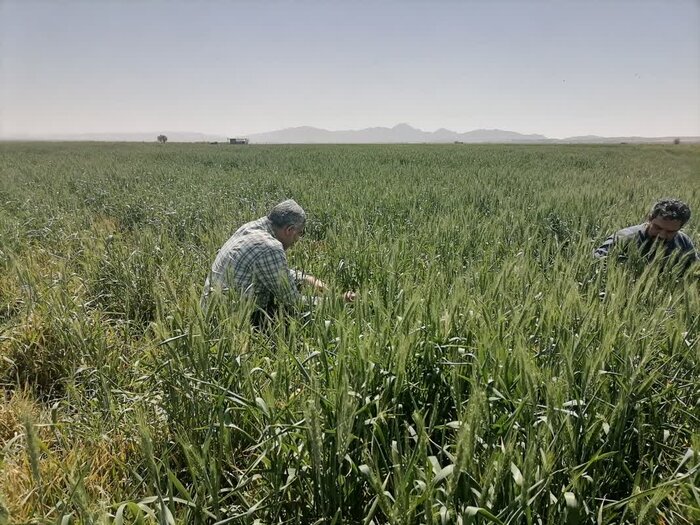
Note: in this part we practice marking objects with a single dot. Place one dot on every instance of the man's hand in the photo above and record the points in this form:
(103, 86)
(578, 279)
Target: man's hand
(321, 288)
(317, 284)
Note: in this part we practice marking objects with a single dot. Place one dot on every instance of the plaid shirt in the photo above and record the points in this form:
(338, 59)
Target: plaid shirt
(680, 243)
(253, 263)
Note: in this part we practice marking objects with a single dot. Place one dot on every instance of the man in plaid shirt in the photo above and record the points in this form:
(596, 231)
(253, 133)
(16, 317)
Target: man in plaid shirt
(659, 234)
(254, 264)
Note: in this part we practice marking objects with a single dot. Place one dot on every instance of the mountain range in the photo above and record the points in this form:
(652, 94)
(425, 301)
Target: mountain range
(399, 134)
(403, 134)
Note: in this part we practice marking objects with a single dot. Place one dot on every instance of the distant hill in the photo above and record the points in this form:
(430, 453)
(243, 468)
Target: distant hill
(399, 134)
(593, 139)
(403, 133)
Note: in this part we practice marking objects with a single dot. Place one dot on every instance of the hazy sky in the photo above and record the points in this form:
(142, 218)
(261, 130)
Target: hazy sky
(559, 68)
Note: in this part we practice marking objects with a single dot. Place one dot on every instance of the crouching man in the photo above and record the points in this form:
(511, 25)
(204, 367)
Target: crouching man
(660, 235)
(253, 264)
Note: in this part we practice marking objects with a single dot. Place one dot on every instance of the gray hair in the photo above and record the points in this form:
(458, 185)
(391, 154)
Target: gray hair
(671, 209)
(287, 213)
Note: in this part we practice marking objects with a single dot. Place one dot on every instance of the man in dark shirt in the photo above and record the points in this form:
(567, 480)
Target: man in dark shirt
(659, 234)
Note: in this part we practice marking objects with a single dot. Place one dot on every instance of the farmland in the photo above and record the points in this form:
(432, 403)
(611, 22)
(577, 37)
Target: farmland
(490, 370)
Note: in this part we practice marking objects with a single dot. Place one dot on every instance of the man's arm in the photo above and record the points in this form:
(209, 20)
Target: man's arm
(604, 249)
(686, 244)
(690, 256)
(619, 239)
(273, 273)
(318, 285)
(303, 278)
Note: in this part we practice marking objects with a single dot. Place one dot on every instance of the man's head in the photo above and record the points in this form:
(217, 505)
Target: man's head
(666, 218)
(288, 220)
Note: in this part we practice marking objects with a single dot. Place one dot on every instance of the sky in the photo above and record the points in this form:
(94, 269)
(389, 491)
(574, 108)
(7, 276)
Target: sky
(557, 68)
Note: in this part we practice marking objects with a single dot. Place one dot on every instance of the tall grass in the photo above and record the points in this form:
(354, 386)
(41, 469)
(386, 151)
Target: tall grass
(490, 370)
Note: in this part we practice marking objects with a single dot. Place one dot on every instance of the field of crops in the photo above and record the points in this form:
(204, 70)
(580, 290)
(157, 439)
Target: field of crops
(490, 370)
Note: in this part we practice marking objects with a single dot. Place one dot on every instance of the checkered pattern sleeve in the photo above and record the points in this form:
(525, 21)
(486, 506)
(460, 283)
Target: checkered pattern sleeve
(297, 276)
(273, 273)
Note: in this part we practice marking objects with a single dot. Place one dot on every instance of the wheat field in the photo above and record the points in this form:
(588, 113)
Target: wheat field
(490, 370)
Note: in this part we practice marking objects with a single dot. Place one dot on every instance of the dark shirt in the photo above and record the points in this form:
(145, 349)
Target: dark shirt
(681, 244)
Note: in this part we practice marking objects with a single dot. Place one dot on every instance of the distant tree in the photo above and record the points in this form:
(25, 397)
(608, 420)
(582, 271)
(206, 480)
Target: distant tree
(162, 139)
(676, 141)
